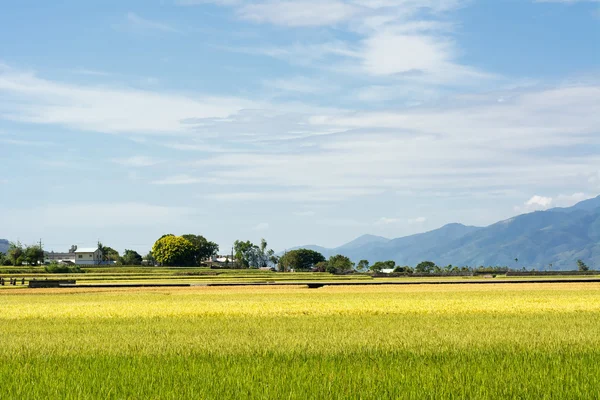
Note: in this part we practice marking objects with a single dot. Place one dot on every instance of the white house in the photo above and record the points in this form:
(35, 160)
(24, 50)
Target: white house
(387, 270)
(88, 256)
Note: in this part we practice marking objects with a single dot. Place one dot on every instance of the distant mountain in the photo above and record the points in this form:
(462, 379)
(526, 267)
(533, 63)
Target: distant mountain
(4, 244)
(402, 250)
(554, 239)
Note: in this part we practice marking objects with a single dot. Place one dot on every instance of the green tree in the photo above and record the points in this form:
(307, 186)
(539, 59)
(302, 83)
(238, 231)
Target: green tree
(381, 265)
(16, 253)
(131, 257)
(2, 258)
(339, 264)
(250, 255)
(363, 265)
(149, 258)
(109, 254)
(171, 250)
(581, 266)
(301, 260)
(403, 270)
(243, 252)
(321, 266)
(33, 255)
(425, 267)
(203, 249)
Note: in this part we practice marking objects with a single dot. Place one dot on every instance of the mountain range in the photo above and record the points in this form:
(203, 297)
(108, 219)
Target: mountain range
(554, 239)
(4, 245)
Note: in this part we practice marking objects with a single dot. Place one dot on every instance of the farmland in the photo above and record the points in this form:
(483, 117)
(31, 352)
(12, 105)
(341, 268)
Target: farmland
(462, 341)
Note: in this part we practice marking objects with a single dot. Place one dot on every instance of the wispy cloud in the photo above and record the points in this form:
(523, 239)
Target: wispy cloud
(137, 161)
(183, 179)
(21, 142)
(28, 98)
(143, 24)
(98, 215)
(261, 227)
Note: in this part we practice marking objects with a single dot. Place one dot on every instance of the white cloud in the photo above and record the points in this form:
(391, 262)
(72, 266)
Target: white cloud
(395, 221)
(305, 213)
(140, 23)
(136, 161)
(98, 215)
(295, 195)
(563, 200)
(183, 179)
(299, 84)
(541, 203)
(27, 98)
(30, 143)
(388, 221)
(537, 203)
(263, 226)
(299, 12)
(567, 1)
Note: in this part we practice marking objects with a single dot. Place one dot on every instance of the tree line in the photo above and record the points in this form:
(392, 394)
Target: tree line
(195, 250)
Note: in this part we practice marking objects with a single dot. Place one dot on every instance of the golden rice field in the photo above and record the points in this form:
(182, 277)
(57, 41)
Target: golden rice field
(460, 341)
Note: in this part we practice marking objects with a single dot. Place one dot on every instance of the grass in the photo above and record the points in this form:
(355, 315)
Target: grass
(463, 341)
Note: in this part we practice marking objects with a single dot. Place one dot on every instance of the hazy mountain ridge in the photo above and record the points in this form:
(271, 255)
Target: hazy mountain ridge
(4, 245)
(552, 239)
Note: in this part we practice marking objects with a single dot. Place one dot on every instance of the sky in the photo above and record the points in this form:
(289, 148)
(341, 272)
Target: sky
(299, 121)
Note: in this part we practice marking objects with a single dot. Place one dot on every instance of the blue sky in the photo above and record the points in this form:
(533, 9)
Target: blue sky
(303, 122)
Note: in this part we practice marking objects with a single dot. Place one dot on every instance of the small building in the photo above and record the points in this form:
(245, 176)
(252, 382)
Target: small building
(61, 258)
(88, 256)
(387, 270)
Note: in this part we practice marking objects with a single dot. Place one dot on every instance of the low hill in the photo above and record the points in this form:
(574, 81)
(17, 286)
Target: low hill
(4, 244)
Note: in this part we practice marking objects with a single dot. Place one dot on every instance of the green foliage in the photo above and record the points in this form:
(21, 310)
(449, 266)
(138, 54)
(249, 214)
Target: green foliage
(381, 265)
(403, 270)
(171, 250)
(321, 266)
(16, 253)
(425, 267)
(249, 255)
(56, 268)
(363, 266)
(242, 252)
(33, 255)
(149, 258)
(109, 254)
(581, 266)
(203, 249)
(131, 257)
(301, 260)
(339, 264)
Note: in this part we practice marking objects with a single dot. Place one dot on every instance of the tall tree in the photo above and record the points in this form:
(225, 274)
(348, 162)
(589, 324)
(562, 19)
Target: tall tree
(363, 265)
(203, 249)
(425, 267)
(16, 253)
(250, 255)
(243, 253)
(300, 260)
(33, 255)
(339, 264)
(149, 258)
(172, 250)
(581, 266)
(131, 257)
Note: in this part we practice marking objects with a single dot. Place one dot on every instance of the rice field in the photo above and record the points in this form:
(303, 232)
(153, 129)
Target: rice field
(459, 341)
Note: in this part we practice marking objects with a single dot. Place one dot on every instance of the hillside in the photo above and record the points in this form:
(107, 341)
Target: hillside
(553, 239)
(4, 244)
